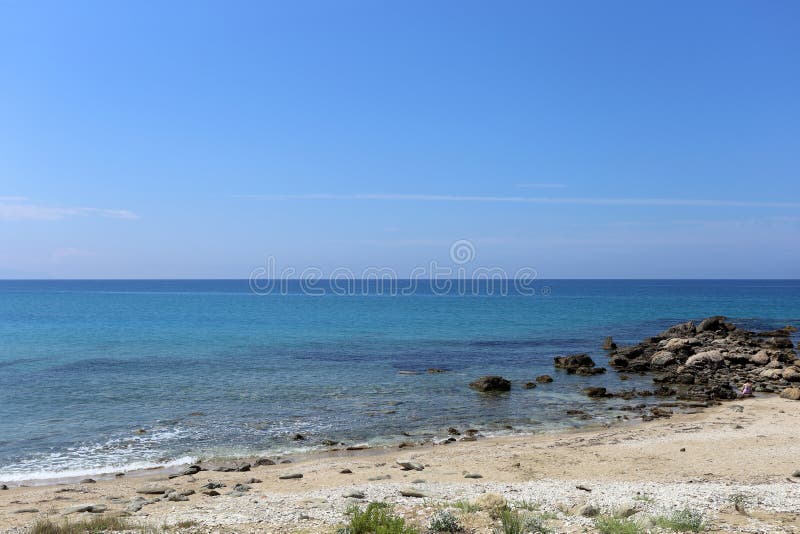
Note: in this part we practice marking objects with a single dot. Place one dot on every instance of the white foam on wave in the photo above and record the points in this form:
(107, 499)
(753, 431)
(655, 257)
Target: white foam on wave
(57, 474)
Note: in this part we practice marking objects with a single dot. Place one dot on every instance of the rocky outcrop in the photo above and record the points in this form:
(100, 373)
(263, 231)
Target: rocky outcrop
(488, 384)
(713, 359)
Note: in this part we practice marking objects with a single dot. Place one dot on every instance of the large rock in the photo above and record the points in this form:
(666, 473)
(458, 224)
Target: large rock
(791, 374)
(662, 358)
(491, 383)
(760, 358)
(675, 344)
(573, 361)
(771, 374)
(679, 330)
(791, 393)
(711, 324)
(709, 357)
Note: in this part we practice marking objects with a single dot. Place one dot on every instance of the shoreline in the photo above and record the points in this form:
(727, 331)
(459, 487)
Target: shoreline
(746, 446)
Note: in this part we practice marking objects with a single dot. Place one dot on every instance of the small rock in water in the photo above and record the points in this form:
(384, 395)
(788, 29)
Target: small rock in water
(488, 384)
(434, 370)
(291, 476)
(529, 385)
(453, 431)
(298, 437)
(544, 379)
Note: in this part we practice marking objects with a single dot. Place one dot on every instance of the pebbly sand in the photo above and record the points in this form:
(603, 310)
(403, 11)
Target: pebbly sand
(743, 450)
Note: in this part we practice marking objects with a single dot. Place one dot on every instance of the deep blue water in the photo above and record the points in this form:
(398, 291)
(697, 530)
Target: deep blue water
(208, 368)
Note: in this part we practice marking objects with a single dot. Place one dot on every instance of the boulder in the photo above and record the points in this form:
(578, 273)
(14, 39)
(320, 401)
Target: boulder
(491, 384)
(679, 330)
(529, 385)
(791, 374)
(711, 324)
(544, 379)
(760, 358)
(662, 358)
(771, 374)
(675, 344)
(791, 393)
(709, 357)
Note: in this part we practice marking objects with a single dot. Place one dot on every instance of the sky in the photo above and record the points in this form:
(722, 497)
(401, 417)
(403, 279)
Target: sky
(614, 139)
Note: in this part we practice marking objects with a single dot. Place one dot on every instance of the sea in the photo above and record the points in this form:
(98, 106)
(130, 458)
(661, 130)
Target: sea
(101, 376)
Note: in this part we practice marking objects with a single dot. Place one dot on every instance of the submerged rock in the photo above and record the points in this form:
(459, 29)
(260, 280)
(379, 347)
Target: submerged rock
(490, 384)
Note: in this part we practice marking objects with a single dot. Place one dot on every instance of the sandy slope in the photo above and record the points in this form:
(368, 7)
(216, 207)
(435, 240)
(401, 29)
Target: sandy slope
(752, 450)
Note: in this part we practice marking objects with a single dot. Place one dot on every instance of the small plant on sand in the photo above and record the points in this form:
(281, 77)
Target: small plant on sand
(377, 518)
(686, 520)
(445, 521)
(532, 506)
(643, 497)
(739, 502)
(513, 522)
(466, 507)
(614, 525)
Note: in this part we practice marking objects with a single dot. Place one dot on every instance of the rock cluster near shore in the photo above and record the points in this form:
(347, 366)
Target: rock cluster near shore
(711, 360)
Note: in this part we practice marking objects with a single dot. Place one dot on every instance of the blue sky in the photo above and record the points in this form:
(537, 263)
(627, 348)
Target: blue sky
(581, 139)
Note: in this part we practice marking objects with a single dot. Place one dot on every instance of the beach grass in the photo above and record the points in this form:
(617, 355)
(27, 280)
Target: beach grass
(686, 520)
(376, 518)
(614, 525)
(93, 525)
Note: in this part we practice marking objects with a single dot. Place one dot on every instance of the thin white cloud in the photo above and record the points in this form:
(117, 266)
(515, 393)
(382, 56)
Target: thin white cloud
(18, 209)
(541, 186)
(689, 202)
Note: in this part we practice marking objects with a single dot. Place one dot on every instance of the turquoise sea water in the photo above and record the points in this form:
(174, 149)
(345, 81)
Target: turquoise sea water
(208, 368)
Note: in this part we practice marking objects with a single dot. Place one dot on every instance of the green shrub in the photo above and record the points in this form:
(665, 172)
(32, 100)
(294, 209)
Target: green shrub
(377, 518)
(445, 521)
(613, 525)
(513, 522)
(686, 520)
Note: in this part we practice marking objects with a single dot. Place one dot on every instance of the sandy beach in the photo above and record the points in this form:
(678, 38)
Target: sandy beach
(738, 452)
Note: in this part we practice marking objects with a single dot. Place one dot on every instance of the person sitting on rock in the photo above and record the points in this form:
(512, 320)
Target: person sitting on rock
(747, 390)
